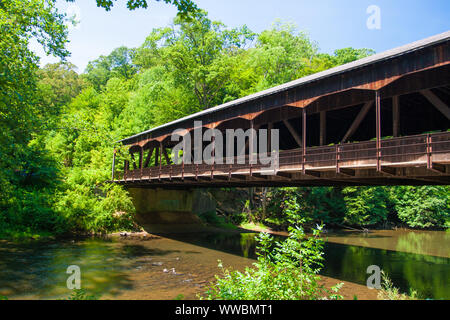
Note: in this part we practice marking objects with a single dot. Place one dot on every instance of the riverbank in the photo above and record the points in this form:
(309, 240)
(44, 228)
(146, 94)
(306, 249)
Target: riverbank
(192, 289)
(139, 265)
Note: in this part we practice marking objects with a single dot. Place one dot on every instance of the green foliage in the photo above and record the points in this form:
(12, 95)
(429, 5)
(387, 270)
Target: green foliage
(288, 274)
(285, 270)
(389, 292)
(422, 207)
(118, 64)
(365, 205)
(3, 298)
(81, 294)
(58, 128)
(27, 174)
(185, 7)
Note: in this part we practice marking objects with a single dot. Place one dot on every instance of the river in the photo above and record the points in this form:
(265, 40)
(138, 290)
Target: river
(182, 265)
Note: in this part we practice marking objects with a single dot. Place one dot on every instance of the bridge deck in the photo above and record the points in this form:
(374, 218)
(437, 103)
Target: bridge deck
(420, 159)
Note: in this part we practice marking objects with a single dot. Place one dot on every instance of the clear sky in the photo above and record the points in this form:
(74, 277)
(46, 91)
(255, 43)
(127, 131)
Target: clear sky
(332, 24)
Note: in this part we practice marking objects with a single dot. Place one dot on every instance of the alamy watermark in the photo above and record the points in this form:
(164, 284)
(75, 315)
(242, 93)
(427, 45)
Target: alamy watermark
(374, 19)
(262, 145)
(374, 280)
(74, 280)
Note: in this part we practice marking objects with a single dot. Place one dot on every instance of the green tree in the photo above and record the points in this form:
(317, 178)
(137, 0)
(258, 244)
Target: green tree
(185, 7)
(365, 205)
(118, 64)
(58, 84)
(199, 53)
(26, 172)
(422, 207)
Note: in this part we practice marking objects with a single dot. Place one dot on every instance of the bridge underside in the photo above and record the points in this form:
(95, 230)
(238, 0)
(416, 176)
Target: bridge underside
(362, 174)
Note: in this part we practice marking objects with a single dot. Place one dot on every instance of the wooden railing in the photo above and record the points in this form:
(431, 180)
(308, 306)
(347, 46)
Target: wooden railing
(424, 149)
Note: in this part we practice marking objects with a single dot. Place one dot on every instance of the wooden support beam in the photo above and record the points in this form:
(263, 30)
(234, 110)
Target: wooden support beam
(166, 156)
(141, 158)
(312, 173)
(438, 103)
(239, 176)
(347, 172)
(284, 174)
(269, 138)
(378, 127)
(220, 177)
(134, 161)
(439, 168)
(303, 140)
(149, 157)
(323, 128)
(396, 116)
(157, 154)
(388, 170)
(359, 118)
(260, 176)
(293, 133)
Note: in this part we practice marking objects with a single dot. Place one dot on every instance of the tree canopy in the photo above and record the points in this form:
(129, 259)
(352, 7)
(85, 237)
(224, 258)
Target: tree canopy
(185, 7)
(58, 127)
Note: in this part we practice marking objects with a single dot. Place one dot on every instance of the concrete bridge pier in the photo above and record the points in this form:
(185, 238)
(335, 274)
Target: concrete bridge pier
(171, 211)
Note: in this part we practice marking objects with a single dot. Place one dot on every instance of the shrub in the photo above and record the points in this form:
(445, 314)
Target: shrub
(285, 270)
(422, 207)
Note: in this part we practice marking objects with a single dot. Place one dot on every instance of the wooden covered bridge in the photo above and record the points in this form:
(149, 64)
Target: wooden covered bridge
(382, 120)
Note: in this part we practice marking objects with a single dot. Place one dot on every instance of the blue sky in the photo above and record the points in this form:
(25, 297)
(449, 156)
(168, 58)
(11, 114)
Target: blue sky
(332, 24)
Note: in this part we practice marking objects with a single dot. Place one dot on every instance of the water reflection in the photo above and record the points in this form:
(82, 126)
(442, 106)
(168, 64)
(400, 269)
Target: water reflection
(38, 270)
(127, 269)
(427, 274)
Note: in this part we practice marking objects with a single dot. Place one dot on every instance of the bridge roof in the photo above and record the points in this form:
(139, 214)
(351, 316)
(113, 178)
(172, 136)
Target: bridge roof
(387, 55)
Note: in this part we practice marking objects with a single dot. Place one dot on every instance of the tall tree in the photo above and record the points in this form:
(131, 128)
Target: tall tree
(117, 64)
(23, 168)
(200, 53)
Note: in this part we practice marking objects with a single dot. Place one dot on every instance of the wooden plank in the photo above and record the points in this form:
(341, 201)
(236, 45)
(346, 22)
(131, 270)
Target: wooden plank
(149, 156)
(293, 133)
(284, 175)
(166, 156)
(396, 116)
(438, 103)
(323, 127)
(359, 118)
(312, 173)
(347, 172)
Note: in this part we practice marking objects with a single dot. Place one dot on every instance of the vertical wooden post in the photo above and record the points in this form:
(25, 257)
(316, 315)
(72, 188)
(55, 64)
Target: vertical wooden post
(182, 159)
(250, 147)
(213, 141)
(378, 128)
(113, 165)
(429, 152)
(396, 116)
(125, 170)
(269, 138)
(157, 153)
(141, 161)
(304, 140)
(323, 127)
(160, 159)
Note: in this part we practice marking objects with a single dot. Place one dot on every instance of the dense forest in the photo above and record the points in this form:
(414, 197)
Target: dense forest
(58, 127)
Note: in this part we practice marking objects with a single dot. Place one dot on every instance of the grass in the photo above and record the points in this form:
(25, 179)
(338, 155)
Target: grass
(253, 226)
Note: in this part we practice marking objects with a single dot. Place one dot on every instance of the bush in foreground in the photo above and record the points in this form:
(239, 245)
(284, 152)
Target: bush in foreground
(285, 270)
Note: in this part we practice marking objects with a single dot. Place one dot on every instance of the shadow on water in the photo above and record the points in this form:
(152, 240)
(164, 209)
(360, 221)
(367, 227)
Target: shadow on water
(38, 270)
(427, 274)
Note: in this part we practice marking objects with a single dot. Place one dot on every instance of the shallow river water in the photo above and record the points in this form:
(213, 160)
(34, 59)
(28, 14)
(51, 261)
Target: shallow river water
(174, 265)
